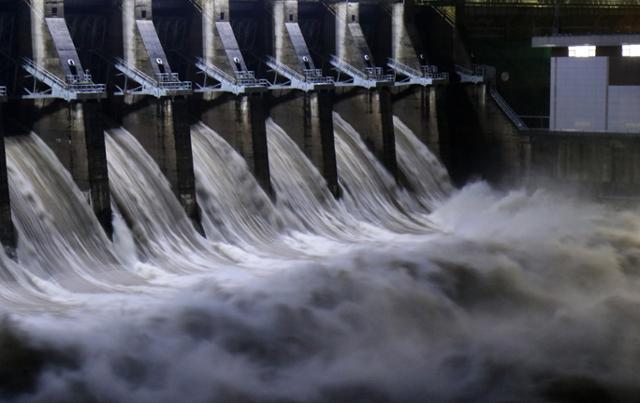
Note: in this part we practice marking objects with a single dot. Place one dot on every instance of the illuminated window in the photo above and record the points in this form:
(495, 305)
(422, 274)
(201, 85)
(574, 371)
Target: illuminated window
(631, 50)
(582, 51)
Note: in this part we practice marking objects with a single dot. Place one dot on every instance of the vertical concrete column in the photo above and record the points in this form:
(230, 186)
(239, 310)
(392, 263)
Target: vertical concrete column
(369, 111)
(7, 231)
(239, 119)
(306, 116)
(416, 106)
(161, 125)
(73, 130)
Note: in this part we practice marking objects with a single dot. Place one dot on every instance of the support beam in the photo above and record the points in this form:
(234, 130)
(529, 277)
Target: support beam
(304, 113)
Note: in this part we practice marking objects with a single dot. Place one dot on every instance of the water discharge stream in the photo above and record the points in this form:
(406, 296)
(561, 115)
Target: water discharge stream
(386, 295)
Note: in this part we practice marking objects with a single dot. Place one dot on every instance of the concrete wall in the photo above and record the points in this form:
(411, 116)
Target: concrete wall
(606, 165)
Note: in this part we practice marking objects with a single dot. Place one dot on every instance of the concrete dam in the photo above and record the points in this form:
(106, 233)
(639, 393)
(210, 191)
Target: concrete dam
(73, 69)
(296, 201)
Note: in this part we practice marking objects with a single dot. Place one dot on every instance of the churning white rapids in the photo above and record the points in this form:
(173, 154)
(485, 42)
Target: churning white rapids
(436, 295)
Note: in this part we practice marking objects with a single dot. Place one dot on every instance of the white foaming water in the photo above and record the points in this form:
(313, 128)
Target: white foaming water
(60, 239)
(162, 229)
(234, 207)
(428, 178)
(303, 195)
(516, 297)
(370, 192)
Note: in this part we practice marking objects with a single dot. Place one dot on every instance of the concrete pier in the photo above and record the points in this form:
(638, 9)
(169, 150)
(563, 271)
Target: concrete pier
(368, 110)
(154, 108)
(238, 117)
(416, 105)
(73, 128)
(305, 111)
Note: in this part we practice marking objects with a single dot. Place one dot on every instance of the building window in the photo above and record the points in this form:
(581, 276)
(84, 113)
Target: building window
(143, 14)
(631, 50)
(54, 11)
(582, 51)
(221, 16)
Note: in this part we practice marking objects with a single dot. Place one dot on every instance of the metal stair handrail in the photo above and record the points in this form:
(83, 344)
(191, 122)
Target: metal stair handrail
(284, 70)
(46, 76)
(506, 108)
(474, 74)
(306, 81)
(370, 77)
(425, 76)
(76, 86)
(164, 84)
(214, 71)
(138, 75)
(243, 80)
(347, 68)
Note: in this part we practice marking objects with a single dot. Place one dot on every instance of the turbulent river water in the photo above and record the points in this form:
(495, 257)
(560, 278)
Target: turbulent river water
(432, 294)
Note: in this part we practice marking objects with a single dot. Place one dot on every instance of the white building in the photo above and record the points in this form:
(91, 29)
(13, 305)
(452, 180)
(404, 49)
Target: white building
(595, 82)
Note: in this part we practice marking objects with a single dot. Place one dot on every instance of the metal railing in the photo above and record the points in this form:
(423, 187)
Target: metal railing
(425, 76)
(305, 81)
(474, 74)
(73, 87)
(369, 78)
(284, 70)
(315, 76)
(164, 84)
(506, 108)
(243, 81)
